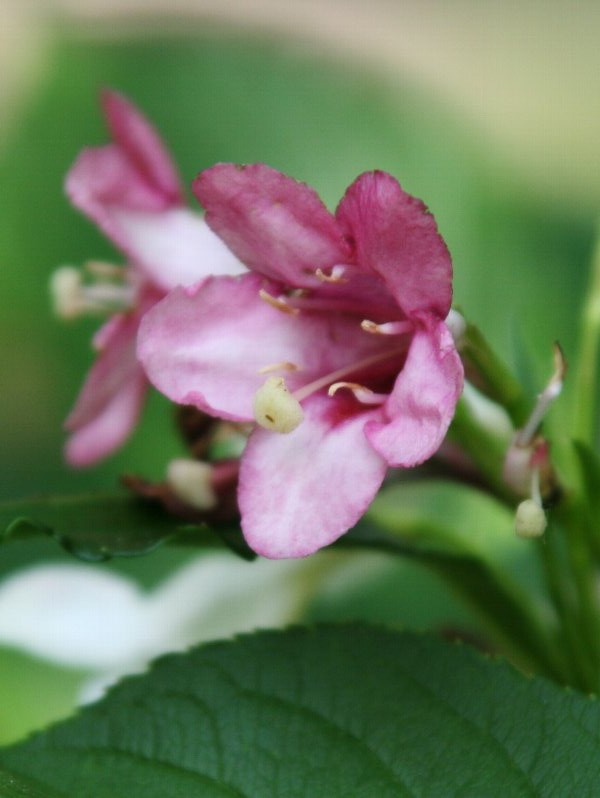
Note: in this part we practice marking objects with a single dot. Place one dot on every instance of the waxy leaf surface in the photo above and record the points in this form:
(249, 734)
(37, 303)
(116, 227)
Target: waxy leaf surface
(332, 711)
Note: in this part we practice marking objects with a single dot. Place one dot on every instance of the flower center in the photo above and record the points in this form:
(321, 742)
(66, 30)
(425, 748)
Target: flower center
(108, 290)
(280, 410)
(337, 376)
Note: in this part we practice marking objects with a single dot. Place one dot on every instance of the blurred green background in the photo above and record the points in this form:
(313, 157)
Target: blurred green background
(219, 95)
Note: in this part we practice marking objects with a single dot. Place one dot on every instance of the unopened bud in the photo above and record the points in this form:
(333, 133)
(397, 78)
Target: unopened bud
(275, 408)
(190, 480)
(530, 520)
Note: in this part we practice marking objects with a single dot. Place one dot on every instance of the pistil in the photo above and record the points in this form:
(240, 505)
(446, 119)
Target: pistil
(275, 408)
(279, 409)
(336, 376)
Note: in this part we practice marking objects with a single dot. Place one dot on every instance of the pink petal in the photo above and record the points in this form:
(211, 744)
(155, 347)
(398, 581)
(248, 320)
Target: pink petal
(110, 401)
(397, 238)
(141, 144)
(133, 174)
(421, 405)
(105, 432)
(301, 491)
(207, 346)
(175, 247)
(275, 225)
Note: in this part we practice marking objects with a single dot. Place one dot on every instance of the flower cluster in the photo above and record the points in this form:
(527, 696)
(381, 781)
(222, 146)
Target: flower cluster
(330, 339)
(131, 190)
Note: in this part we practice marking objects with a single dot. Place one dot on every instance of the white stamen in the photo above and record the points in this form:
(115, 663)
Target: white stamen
(190, 480)
(388, 328)
(101, 268)
(285, 365)
(275, 408)
(535, 486)
(336, 275)
(545, 399)
(364, 395)
(72, 298)
(279, 303)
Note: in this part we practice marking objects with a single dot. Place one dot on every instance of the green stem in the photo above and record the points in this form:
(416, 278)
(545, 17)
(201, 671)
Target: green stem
(587, 362)
(485, 447)
(560, 590)
(570, 523)
(492, 376)
(507, 613)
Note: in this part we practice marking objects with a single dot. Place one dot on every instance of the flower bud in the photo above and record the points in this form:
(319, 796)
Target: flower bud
(190, 480)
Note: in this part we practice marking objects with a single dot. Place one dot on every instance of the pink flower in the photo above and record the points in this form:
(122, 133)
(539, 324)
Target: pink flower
(343, 317)
(131, 190)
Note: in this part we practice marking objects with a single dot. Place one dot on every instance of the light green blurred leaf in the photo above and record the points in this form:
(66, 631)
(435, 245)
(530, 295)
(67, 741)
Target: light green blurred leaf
(466, 538)
(589, 463)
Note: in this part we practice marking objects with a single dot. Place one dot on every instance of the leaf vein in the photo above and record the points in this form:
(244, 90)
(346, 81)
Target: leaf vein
(393, 778)
(202, 778)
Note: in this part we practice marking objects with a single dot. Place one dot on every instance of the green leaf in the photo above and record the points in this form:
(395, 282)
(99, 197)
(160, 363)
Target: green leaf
(466, 537)
(334, 711)
(424, 521)
(446, 517)
(12, 786)
(589, 464)
(104, 525)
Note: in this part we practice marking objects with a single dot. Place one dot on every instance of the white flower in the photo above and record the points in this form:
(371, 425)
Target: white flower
(81, 616)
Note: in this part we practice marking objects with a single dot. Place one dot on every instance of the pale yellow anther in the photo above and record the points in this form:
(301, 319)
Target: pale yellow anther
(277, 302)
(275, 408)
(530, 519)
(190, 480)
(371, 327)
(355, 387)
(387, 328)
(285, 365)
(336, 275)
(363, 394)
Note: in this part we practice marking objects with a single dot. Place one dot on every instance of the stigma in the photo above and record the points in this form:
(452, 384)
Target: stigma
(275, 408)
